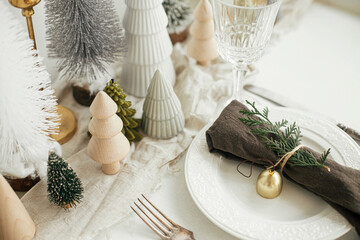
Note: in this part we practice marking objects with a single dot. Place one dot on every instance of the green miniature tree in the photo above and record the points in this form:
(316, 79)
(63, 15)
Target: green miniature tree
(125, 112)
(64, 186)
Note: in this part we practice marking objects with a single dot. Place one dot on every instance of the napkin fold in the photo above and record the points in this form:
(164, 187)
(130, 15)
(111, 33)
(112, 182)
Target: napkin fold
(340, 187)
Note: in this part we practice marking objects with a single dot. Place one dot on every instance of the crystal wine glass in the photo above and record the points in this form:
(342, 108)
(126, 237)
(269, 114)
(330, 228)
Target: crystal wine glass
(242, 30)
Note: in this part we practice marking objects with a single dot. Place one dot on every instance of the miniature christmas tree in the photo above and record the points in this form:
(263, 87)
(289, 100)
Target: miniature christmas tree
(202, 45)
(179, 17)
(167, 120)
(26, 113)
(64, 186)
(15, 222)
(86, 36)
(108, 145)
(149, 46)
(124, 111)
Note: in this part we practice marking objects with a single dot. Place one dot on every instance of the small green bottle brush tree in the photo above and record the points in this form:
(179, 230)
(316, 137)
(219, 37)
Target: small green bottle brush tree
(125, 112)
(64, 186)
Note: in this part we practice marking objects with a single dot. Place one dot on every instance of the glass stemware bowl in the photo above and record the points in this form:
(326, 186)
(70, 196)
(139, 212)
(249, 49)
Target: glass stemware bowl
(242, 30)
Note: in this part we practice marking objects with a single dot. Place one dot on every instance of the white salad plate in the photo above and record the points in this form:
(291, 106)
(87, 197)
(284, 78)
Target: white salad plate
(230, 200)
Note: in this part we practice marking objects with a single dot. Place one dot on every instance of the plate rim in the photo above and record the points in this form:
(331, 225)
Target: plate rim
(231, 231)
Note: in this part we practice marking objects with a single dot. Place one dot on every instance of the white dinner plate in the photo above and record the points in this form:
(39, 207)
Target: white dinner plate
(230, 200)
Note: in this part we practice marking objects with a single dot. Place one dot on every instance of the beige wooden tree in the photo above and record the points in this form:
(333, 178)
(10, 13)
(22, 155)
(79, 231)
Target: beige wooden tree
(108, 144)
(202, 45)
(15, 222)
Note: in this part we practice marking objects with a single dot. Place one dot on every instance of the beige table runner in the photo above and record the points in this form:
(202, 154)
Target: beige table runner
(107, 198)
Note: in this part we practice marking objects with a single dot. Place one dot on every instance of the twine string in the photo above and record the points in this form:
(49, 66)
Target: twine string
(284, 159)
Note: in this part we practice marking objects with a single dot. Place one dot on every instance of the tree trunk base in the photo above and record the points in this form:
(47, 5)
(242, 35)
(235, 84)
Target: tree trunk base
(178, 37)
(203, 63)
(111, 169)
(22, 184)
(83, 96)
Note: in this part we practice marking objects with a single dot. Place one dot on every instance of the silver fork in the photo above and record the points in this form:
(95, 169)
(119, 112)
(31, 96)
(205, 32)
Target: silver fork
(168, 230)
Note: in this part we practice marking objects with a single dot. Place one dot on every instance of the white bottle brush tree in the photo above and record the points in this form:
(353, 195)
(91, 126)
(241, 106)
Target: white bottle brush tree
(149, 46)
(86, 36)
(27, 103)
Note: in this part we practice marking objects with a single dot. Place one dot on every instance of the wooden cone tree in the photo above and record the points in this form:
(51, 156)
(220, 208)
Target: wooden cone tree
(15, 222)
(202, 45)
(108, 144)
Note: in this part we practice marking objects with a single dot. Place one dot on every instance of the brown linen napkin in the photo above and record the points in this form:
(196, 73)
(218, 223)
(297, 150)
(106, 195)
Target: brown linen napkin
(340, 187)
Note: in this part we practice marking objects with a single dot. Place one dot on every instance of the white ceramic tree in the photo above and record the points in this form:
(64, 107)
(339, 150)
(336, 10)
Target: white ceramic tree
(15, 222)
(202, 45)
(149, 46)
(162, 114)
(107, 145)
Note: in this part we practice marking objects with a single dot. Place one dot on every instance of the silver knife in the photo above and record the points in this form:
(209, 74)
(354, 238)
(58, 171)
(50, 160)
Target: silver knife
(281, 101)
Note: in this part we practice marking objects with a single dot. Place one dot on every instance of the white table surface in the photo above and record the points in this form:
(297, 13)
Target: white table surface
(317, 65)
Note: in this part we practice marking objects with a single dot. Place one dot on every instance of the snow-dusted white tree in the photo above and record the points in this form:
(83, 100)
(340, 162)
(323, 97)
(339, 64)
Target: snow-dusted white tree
(149, 46)
(86, 36)
(27, 103)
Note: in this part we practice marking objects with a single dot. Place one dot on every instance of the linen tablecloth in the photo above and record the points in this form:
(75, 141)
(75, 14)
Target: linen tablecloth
(107, 198)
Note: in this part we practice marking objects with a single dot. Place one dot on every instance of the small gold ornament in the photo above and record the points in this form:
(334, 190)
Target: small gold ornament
(269, 184)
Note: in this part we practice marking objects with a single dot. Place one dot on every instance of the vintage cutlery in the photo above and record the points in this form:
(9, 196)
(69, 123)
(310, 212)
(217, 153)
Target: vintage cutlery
(167, 230)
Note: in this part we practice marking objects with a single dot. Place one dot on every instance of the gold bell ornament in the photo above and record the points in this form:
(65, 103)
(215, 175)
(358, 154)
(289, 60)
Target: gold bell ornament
(269, 184)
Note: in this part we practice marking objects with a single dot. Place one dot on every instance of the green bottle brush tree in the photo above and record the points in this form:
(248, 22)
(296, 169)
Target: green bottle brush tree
(64, 186)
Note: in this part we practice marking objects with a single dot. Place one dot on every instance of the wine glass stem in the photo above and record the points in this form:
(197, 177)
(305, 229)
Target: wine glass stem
(239, 75)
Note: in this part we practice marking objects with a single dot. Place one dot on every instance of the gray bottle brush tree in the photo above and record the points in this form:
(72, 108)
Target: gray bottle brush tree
(86, 36)
(178, 13)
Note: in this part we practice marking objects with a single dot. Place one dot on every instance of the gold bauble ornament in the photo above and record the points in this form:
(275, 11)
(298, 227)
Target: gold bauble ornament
(269, 184)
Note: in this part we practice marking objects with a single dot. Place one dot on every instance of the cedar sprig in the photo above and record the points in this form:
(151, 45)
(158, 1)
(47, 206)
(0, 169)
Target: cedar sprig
(280, 136)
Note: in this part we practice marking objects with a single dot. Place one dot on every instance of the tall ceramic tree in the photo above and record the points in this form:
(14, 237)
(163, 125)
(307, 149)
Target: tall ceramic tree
(27, 103)
(86, 36)
(202, 45)
(149, 46)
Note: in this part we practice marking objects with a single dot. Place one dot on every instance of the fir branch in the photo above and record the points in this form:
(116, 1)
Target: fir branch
(287, 136)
